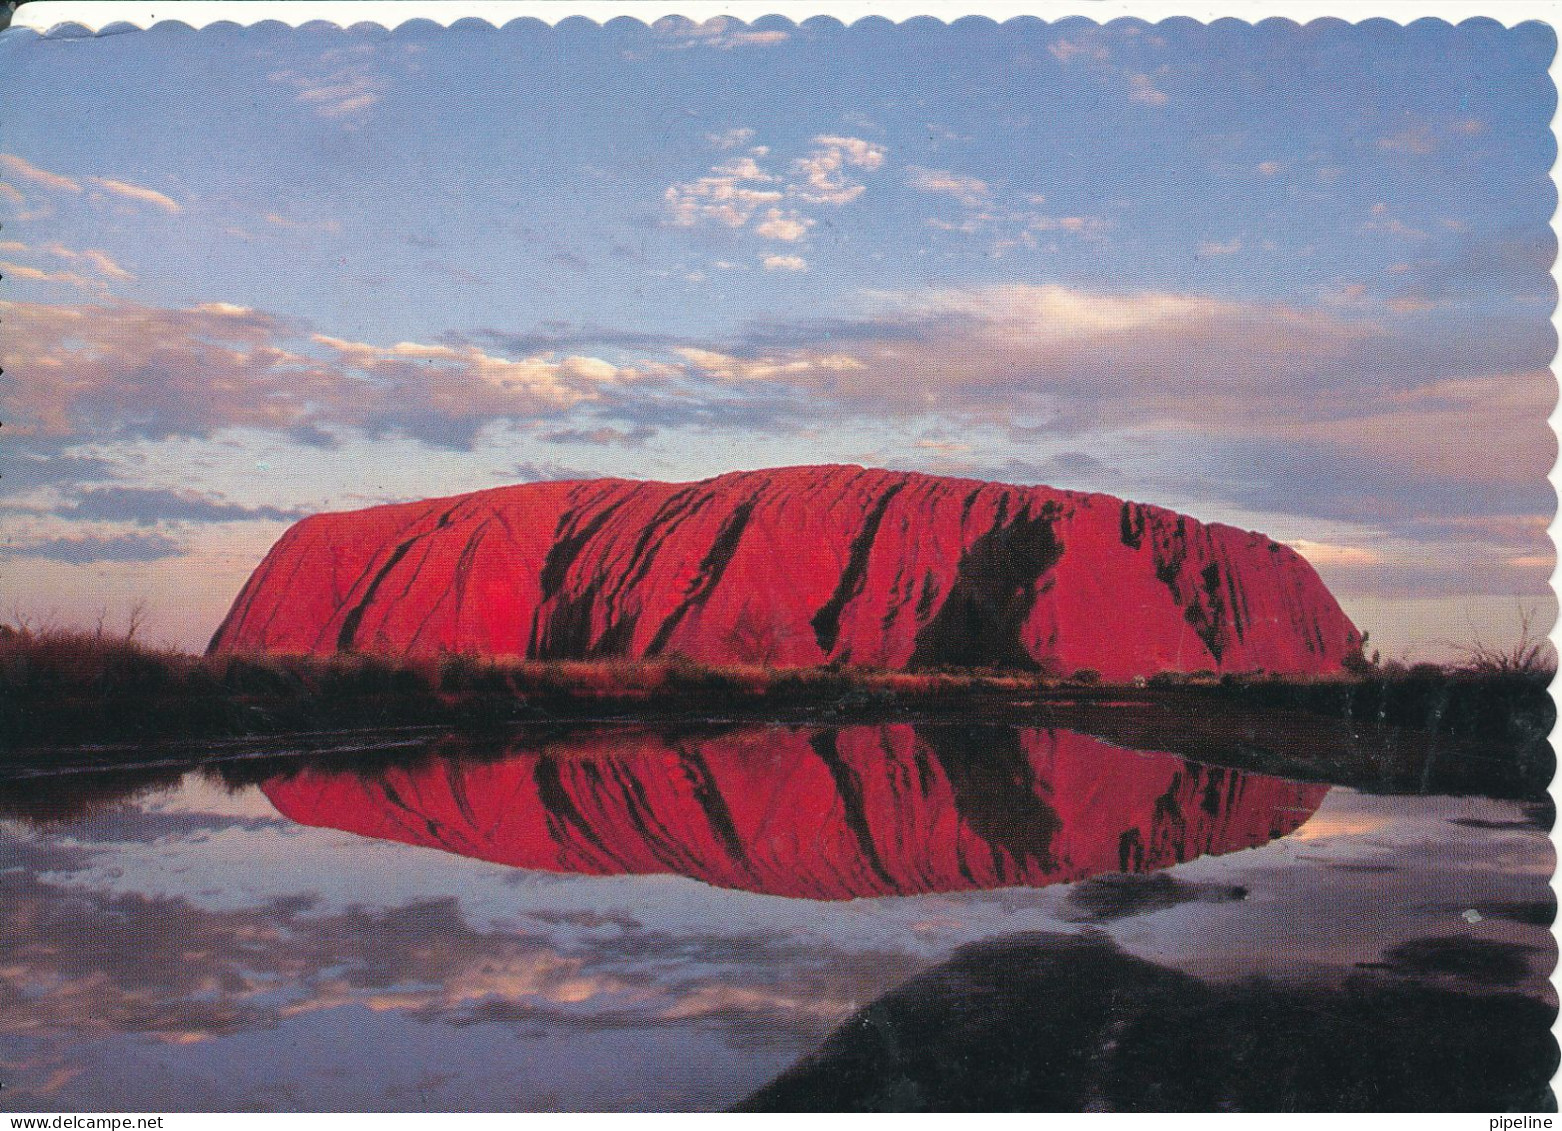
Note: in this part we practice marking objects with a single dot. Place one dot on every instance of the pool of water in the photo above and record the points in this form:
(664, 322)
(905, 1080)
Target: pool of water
(669, 918)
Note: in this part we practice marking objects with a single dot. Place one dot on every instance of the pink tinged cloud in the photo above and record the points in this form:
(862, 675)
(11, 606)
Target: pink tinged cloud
(138, 193)
(25, 170)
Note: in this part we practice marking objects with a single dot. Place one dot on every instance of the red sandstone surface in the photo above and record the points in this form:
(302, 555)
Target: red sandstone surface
(794, 567)
(815, 813)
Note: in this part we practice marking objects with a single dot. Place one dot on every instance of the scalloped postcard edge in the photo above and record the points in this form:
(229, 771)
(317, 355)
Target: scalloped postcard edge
(95, 16)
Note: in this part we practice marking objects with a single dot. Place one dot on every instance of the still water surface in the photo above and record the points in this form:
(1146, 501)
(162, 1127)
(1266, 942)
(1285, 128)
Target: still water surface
(653, 918)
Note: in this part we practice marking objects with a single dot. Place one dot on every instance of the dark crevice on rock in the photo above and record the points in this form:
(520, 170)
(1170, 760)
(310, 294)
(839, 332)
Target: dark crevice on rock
(708, 576)
(995, 588)
(354, 617)
(827, 621)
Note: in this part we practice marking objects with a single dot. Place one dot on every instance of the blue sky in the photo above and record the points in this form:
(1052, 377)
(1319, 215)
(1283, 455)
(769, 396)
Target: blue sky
(1296, 279)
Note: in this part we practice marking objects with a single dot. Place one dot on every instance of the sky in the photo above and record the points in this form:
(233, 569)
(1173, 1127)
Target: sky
(1295, 279)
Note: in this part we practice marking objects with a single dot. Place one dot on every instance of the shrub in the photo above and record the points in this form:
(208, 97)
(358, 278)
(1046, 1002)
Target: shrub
(1530, 655)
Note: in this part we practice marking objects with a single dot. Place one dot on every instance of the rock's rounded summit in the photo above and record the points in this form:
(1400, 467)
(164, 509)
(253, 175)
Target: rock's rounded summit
(794, 567)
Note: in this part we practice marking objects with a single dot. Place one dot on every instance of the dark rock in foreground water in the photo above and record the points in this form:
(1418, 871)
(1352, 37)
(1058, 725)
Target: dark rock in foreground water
(1038, 1022)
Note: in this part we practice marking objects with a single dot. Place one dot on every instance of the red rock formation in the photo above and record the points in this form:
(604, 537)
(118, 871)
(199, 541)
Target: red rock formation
(795, 566)
(816, 814)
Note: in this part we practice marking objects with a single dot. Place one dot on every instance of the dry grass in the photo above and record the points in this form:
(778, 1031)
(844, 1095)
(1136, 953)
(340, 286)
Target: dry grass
(61, 687)
(1531, 654)
(64, 686)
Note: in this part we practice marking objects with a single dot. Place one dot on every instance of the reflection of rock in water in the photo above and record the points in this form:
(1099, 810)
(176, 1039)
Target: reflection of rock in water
(815, 813)
(1065, 1023)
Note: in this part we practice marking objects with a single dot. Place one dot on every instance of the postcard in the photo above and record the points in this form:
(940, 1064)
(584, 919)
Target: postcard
(567, 562)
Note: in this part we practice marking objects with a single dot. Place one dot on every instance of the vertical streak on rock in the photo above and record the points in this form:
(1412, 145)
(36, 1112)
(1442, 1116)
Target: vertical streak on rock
(345, 639)
(995, 587)
(827, 621)
(458, 581)
(569, 540)
(1131, 525)
(1207, 612)
(709, 574)
(563, 631)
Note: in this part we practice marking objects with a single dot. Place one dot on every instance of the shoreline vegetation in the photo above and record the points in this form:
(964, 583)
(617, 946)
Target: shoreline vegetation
(72, 698)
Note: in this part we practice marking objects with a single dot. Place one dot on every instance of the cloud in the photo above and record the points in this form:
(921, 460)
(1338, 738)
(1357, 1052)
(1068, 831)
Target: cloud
(348, 83)
(1089, 49)
(1515, 263)
(179, 972)
(1075, 470)
(731, 139)
(1272, 407)
(554, 335)
(1439, 527)
(968, 191)
(1065, 51)
(39, 275)
(1075, 353)
(823, 169)
(1142, 89)
(1268, 168)
(1423, 138)
(138, 193)
(22, 169)
(1448, 429)
(332, 226)
(598, 436)
(147, 507)
(1417, 140)
(101, 265)
(1380, 219)
(558, 380)
(785, 263)
(1007, 223)
(1012, 229)
(157, 960)
(99, 261)
(546, 471)
(121, 370)
(1210, 248)
(30, 464)
(729, 196)
(720, 32)
(785, 226)
(726, 367)
(1077, 360)
(741, 194)
(942, 340)
(1326, 554)
(85, 549)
